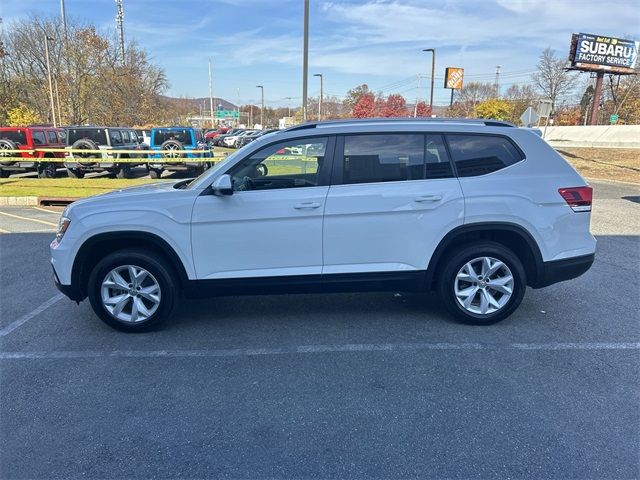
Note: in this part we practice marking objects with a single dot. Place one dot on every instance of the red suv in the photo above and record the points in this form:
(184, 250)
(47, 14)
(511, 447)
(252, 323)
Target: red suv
(211, 134)
(30, 138)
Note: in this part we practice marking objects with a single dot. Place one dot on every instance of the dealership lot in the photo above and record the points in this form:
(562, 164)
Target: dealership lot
(348, 385)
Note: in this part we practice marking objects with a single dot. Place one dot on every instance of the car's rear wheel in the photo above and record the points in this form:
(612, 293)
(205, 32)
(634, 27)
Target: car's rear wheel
(482, 283)
(47, 170)
(125, 171)
(132, 291)
(75, 173)
(155, 173)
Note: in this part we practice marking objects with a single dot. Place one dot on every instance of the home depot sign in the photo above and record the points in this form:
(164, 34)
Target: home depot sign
(453, 77)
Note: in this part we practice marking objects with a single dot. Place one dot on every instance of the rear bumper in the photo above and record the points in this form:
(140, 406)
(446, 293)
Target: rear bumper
(565, 269)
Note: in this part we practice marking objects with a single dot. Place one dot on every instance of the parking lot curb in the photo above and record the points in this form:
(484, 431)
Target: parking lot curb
(18, 201)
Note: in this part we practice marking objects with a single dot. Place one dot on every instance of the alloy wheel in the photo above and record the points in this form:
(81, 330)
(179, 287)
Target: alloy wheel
(130, 293)
(483, 285)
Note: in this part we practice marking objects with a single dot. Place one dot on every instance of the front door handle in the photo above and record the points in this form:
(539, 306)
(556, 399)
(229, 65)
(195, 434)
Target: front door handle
(428, 198)
(305, 205)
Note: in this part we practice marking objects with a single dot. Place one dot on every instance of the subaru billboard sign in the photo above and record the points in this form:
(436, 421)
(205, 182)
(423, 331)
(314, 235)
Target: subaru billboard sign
(596, 52)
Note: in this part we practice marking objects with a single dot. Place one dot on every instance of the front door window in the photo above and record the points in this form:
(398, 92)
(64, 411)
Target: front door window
(289, 164)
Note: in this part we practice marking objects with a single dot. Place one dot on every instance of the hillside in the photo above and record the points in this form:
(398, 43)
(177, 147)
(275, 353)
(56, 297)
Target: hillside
(195, 104)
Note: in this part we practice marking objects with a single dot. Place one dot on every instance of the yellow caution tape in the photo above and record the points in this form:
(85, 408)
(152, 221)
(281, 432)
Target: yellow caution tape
(111, 150)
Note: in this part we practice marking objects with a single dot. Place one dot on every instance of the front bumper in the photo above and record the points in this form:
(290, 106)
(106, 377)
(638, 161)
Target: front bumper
(565, 269)
(68, 290)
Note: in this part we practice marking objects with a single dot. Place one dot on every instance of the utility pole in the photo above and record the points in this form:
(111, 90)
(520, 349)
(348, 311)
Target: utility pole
(321, 95)
(238, 107)
(210, 94)
(120, 22)
(597, 96)
(433, 74)
(305, 60)
(261, 106)
(55, 83)
(288, 99)
(46, 52)
(251, 115)
(415, 107)
(63, 17)
(497, 85)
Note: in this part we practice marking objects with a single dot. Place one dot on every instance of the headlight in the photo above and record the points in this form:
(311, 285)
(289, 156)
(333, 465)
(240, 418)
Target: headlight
(62, 227)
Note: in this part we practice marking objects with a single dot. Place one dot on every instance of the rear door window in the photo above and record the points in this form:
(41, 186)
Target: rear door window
(116, 137)
(383, 158)
(38, 137)
(52, 137)
(481, 154)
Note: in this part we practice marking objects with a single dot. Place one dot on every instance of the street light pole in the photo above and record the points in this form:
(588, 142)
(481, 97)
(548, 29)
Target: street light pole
(210, 94)
(320, 101)
(433, 73)
(63, 16)
(261, 106)
(288, 105)
(46, 52)
(305, 60)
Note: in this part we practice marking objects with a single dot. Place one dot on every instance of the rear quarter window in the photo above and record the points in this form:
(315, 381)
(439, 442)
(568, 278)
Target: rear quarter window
(481, 154)
(17, 136)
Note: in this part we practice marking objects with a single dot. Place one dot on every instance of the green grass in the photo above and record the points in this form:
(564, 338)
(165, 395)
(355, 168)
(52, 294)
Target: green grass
(63, 187)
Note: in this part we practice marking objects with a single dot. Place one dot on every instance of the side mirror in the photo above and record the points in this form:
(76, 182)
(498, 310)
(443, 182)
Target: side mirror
(222, 185)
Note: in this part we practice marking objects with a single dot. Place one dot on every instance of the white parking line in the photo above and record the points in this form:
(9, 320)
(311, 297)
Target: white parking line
(307, 349)
(45, 210)
(25, 318)
(29, 219)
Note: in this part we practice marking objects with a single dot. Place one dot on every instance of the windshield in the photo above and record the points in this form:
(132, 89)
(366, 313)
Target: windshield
(17, 136)
(98, 135)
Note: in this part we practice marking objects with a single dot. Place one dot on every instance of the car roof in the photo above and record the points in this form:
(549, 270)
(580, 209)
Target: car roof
(373, 125)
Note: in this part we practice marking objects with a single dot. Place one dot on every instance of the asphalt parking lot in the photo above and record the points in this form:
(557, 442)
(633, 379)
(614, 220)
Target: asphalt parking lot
(325, 386)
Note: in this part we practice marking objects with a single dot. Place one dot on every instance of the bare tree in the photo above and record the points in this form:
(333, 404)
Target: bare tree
(93, 85)
(552, 78)
(470, 96)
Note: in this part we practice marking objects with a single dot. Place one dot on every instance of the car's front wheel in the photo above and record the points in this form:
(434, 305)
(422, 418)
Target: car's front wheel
(482, 283)
(132, 291)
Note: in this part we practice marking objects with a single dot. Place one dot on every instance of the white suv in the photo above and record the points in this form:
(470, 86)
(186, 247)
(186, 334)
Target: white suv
(475, 209)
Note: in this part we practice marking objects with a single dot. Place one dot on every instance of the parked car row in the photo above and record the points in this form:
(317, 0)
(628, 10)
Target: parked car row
(237, 138)
(107, 148)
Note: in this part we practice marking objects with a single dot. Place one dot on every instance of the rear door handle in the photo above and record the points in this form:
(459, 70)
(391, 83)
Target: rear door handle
(305, 205)
(428, 198)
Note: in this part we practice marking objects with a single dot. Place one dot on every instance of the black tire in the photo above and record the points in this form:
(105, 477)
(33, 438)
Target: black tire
(4, 173)
(457, 259)
(75, 173)
(156, 266)
(125, 171)
(47, 170)
(155, 173)
(85, 144)
(174, 145)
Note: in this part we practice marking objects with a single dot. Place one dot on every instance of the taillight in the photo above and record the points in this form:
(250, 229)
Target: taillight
(578, 198)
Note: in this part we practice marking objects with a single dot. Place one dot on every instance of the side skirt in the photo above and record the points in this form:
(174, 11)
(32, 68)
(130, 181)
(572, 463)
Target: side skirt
(414, 281)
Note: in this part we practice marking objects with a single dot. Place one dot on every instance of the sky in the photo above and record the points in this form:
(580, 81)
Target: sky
(377, 42)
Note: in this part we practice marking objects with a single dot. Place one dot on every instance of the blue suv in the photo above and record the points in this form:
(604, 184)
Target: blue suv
(176, 144)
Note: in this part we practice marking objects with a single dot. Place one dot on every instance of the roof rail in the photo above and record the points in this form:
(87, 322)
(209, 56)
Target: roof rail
(351, 121)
